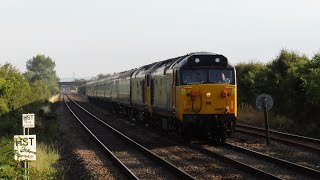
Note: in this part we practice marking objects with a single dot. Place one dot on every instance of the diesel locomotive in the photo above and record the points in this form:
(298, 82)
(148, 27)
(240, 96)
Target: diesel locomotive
(194, 95)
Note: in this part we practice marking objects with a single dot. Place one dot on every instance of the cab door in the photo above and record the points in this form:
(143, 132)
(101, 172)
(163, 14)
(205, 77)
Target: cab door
(169, 87)
(174, 79)
(147, 94)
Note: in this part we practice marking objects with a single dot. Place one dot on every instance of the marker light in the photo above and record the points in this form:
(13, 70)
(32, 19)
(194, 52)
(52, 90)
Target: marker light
(208, 95)
(227, 109)
(224, 93)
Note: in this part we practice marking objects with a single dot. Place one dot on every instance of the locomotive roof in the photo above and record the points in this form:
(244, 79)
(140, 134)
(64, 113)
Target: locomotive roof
(152, 67)
(204, 59)
(175, 63)
(127, 73)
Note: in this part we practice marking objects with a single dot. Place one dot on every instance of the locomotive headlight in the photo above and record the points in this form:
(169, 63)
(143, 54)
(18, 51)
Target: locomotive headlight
(197, 60)
(217, 60)
(208, 95)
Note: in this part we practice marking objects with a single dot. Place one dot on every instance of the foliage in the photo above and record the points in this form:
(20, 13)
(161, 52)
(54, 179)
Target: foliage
(249, 76)
(101, 76)
(80, 80)
(13, 87)
(293, 80)
(22, 93)
(39, 90)
(312, 80)
(41, 68)
(285, 79)
(47, 151)
(9, 169)
(46, 157)
(3, 106)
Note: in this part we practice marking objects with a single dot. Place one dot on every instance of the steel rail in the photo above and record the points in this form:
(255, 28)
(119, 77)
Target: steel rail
(237, 164)
(293, 166)
(147, 152)
(227, 160)
(313, 140)
(115, 160)
(260, 132)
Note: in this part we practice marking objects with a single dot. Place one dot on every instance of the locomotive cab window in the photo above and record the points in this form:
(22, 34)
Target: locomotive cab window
(194, 76)
(221, 76)
(207, 76)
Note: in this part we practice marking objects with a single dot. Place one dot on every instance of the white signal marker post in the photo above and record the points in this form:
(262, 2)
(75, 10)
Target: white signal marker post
(26, 144)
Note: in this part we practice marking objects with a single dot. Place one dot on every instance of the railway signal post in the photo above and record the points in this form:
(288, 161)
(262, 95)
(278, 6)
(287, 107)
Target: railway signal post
(264, 102)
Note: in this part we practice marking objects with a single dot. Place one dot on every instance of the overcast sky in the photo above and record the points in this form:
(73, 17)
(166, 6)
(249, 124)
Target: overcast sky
(91, 37)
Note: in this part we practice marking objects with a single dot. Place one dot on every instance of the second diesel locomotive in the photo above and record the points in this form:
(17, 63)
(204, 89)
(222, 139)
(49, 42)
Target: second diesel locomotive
(194, 94)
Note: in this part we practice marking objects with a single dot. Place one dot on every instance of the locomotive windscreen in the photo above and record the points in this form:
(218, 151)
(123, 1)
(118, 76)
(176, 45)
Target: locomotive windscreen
(208, 60)
(207, 76)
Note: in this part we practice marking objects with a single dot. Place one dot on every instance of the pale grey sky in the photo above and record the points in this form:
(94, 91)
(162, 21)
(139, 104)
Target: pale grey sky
(91, 37)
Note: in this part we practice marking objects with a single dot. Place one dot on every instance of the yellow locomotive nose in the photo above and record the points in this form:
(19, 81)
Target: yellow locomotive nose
(208, 99)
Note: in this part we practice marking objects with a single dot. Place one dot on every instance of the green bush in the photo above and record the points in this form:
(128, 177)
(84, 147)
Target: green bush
(18, 95)
(3, 107)
(293, 80)
(9, 169)
(280, 122)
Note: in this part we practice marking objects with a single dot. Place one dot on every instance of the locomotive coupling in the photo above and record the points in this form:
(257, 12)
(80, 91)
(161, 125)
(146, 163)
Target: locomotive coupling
(195, 93)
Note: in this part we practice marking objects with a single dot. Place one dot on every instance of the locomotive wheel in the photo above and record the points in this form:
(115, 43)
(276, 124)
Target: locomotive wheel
(222, 137)
(229, 133)
(187, 133)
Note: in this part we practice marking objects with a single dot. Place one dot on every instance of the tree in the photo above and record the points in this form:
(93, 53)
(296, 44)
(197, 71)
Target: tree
(41, 68)
(311, 79)
(101, 76)
(285, 78)
(80, 80)
(13, 87)
(251, 80)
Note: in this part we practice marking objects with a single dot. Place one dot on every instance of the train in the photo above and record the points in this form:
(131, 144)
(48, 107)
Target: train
(194, 95)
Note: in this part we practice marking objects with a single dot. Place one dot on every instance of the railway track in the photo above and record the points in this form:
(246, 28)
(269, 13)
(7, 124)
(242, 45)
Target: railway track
(265, 159)
(292, 167)
(239, 165)
(306, 143)
(116, 144)
(236, 156)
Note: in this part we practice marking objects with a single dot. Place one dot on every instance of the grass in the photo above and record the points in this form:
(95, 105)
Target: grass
(251, 116)
(47, 134)
(43, 167)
